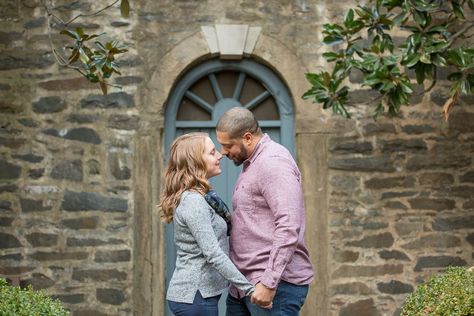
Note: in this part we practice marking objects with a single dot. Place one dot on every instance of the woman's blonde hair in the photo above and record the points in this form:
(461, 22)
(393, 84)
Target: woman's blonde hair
(186, 170)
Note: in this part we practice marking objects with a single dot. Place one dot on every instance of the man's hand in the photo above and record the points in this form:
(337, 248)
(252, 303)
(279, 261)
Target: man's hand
(263, 296)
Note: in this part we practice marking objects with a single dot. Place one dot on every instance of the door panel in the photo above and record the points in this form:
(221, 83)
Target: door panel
(203, 94)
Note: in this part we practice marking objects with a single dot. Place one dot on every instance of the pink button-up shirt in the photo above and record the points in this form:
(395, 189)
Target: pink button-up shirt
(268, 222)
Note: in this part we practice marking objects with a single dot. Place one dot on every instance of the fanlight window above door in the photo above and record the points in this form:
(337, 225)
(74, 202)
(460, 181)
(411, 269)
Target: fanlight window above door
(201, 98)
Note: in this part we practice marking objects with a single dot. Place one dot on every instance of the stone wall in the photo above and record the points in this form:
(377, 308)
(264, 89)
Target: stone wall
(398, 193)
(401, 207)
(66, 153)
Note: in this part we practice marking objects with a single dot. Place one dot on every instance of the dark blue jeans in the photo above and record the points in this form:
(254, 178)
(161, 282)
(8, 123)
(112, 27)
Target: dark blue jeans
(288, 300)
(200, 306)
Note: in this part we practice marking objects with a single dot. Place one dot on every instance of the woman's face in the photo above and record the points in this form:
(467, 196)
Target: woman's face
(212, 158)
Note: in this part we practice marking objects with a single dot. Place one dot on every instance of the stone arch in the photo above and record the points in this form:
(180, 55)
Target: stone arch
(196, 47)
(149, 245)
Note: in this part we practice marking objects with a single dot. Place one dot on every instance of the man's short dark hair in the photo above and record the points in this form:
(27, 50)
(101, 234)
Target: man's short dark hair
(237, 121)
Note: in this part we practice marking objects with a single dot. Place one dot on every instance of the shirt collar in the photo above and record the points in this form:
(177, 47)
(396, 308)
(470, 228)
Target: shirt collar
(258, 149)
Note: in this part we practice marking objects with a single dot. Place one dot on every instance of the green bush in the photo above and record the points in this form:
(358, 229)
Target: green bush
(450, 293)
(15, 301)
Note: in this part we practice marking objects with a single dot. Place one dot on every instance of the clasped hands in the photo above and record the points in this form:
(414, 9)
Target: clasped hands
(263, 296)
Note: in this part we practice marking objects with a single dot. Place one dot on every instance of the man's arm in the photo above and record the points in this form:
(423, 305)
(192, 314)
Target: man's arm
(280, 185)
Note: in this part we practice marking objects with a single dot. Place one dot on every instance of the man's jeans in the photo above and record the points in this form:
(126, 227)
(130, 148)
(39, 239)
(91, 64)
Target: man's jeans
(288, 300)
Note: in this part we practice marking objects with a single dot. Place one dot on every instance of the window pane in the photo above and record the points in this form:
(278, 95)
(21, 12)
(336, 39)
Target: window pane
(267, 110)
(202, 88)
(188, 111)
(227, 81)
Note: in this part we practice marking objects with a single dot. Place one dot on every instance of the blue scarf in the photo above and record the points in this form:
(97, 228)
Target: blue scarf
(220, 208)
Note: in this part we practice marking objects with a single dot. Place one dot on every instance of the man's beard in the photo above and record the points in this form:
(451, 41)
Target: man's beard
(241, 157)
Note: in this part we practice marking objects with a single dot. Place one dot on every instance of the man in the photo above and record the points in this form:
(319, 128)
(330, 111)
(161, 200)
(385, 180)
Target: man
(268, 222)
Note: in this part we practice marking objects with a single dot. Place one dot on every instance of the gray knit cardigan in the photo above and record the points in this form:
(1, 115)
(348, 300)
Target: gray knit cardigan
(202, 261)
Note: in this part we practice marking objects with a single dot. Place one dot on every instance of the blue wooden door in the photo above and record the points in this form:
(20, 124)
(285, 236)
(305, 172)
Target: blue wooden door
(199, 99)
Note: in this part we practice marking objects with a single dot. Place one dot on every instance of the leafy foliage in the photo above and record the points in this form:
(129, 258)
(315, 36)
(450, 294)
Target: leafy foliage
(97, 63)
(26, 302)
(432, 28)
(451, 293)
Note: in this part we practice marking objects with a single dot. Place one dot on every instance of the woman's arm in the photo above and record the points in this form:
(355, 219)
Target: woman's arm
(195, 214)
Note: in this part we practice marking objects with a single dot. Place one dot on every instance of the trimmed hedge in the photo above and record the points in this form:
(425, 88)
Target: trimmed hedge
(15, 301)
(450, 293)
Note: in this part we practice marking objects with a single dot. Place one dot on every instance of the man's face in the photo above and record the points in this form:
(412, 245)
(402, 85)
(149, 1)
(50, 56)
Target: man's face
(232, 148)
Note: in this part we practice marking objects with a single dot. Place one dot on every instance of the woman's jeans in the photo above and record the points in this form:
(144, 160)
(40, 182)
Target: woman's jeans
(200, 306)
(288, 300)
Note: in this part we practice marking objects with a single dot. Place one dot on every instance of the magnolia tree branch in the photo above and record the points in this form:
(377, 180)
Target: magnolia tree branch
(51, 13)
(466, 28)
(429, 88)
(91, 14)
(96, 65)
(368, 102)
(59, 58)
(432, 85)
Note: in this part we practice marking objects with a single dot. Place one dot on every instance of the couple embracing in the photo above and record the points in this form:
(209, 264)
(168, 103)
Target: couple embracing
(259, 249)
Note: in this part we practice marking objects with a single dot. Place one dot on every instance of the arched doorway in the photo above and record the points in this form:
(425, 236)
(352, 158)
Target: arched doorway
(205, 92)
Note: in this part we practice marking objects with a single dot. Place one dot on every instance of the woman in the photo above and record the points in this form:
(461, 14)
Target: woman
(200, 231)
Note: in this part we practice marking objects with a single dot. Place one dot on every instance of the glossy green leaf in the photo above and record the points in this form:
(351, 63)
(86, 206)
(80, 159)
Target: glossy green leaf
(425, 58)
(457, 9)
(99, 62)
(420, 73)
(439, 60)
(327, 104)
(437, 29)
(388, 42)
(416, 39)
(372, 82)
(308, 95)
(412, 60)
(101, 46)
(406, 87)
(328, 27)
(356, 26)
(92, 77)
(314, 79)
(349, 18)
(116, 50)
(91, 36)
(83, 56)
(80, 32)
(124, 8)
(71, 34)
(410, 28)
(454, 58)
(326, 79)
(385, 21)
(332, 39)
(471, 4)
(330, 56)
(74, 56)
(387, 86)
(420, 18)
(116, 70)
(343, 92)
(400, 18)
